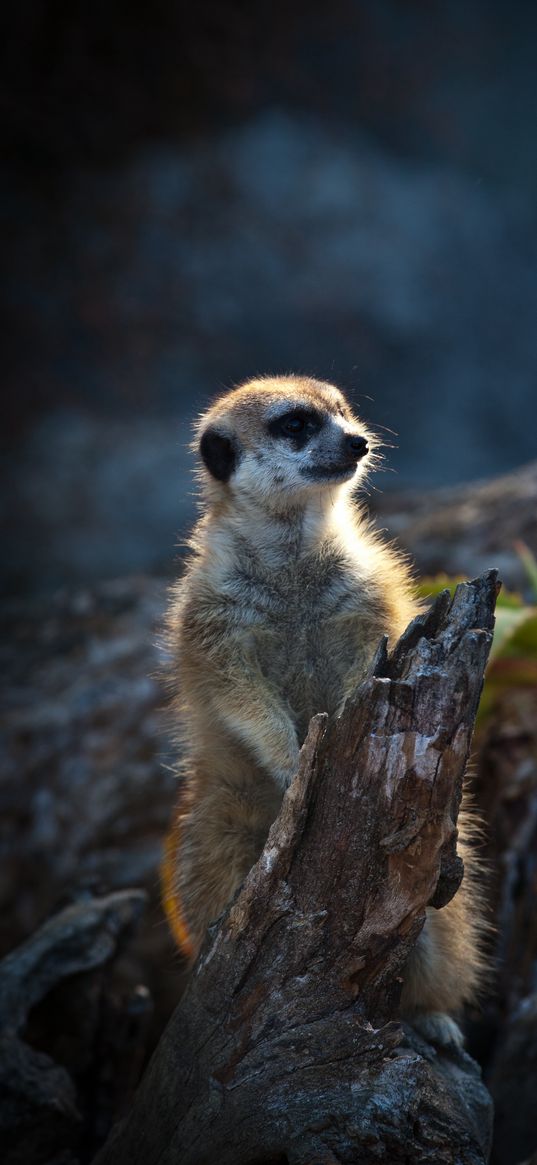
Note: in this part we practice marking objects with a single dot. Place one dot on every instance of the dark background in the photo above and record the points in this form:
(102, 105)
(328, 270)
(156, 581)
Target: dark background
(192, 194)
(196, 193)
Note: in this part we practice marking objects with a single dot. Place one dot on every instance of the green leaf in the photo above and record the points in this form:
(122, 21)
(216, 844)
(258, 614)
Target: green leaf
(513, 657)
(514, 632)
(529, 562)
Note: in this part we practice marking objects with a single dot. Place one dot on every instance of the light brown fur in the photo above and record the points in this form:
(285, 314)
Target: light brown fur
(285, 596)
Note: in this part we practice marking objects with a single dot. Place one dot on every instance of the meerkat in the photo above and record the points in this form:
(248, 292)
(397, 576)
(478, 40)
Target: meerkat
(285, 597)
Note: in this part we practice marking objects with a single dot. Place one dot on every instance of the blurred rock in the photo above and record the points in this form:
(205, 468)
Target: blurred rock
(505, 790)
(86, 793)
(513, 1083)
(467, 529)
(50, 1067)
(274, 245)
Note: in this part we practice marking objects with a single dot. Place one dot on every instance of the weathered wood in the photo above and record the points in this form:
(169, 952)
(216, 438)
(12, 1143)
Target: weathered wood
(39, 1112)
(286, 1046)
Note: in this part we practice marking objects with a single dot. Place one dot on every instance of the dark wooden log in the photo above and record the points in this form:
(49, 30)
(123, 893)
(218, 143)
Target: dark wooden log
(286, 1045)
(39, 1111)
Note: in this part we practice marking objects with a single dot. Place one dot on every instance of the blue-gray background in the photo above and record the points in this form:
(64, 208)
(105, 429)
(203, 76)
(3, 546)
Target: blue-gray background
(196, 193)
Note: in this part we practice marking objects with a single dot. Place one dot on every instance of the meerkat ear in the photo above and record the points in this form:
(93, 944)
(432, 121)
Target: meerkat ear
(219, 454)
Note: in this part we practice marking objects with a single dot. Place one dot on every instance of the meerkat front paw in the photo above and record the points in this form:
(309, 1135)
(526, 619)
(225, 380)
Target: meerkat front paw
(439, 1029)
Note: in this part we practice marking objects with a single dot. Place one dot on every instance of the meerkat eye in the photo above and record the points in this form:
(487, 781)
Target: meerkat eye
(298, 425)
(293, 425)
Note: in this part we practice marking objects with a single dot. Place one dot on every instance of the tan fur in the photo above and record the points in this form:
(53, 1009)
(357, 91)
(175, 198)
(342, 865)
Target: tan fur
(285, 596)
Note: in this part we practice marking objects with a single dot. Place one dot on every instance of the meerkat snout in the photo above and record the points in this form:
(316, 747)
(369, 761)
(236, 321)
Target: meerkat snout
(336, 455)
(356, 446)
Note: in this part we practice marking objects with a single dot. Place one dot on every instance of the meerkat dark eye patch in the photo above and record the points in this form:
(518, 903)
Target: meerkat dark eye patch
(296, 425)
(219, 454)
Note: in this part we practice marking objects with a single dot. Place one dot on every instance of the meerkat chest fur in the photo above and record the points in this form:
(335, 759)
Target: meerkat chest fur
(300, 597)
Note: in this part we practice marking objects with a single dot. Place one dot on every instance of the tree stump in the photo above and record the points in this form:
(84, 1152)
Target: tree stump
(286, 1046)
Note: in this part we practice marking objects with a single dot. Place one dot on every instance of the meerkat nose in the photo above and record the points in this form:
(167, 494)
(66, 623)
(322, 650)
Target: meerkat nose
(355, 446)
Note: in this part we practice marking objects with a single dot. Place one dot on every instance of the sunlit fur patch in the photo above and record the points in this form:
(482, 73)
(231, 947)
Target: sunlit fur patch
(171, 900)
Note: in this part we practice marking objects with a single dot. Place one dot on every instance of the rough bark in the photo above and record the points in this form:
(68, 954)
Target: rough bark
(286, 1046)
(39, 1106)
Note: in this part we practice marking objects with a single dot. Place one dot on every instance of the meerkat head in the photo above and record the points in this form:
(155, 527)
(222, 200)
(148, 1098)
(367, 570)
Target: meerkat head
(279, 439)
